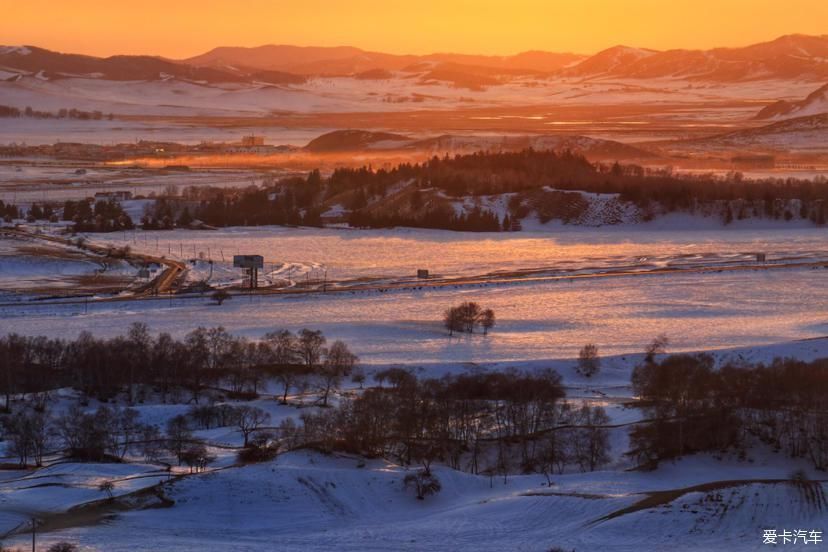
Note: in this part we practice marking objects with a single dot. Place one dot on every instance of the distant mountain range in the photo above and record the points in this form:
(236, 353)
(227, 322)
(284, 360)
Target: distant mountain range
(799, 57)
(49, 65)
(347, 60)
(787, 57)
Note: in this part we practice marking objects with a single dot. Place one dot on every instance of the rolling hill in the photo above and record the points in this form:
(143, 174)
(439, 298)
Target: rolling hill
(346, 60)
(787, 57)
(49, 65)
(815, 103)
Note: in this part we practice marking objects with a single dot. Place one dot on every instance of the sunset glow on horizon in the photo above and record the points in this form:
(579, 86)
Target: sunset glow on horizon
(187, 28)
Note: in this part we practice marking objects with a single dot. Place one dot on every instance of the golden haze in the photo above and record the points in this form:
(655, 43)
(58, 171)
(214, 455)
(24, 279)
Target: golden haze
(189, 27)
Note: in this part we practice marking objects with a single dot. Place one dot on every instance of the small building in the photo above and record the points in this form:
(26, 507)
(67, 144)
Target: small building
(422, 273)
(761, 257)
(252, 140)
(251, 265)
(120, 195)
(248, 261)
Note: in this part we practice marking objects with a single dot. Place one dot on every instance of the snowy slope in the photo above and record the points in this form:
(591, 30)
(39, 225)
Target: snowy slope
(815, 103)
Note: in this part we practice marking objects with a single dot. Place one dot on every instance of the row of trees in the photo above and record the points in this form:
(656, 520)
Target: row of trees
(97, 216)
(695, 408)
(9, 211)
(87, 214)
(63, 113)
(138, 363)
(113, 434)
(544, 182)
(495, 423)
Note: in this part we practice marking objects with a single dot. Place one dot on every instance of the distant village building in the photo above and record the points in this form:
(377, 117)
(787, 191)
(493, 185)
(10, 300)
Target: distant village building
(252, 140)
(120, 195)
(251, 144)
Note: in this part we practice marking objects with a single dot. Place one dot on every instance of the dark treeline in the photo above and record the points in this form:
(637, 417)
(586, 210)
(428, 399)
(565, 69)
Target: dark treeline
(138, 363)
(206, 365)
(63, 113)
(87, 215)
(9, 211)
(495, 423)
(420, 195)
(696, 408)
(98, 216)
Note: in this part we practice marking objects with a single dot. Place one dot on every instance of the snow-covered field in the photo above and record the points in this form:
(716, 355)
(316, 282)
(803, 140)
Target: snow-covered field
(673, 240)
(536, 318)
(24, 182)
(307, 501)
(346, 94)
(27, 266)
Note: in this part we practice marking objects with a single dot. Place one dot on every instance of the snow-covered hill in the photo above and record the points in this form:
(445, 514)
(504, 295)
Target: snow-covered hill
(800, 134)
(815, 103)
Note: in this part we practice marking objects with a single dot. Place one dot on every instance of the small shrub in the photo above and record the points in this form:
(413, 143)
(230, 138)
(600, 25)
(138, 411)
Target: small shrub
(220, 296)
(424, 483)
(63, 546)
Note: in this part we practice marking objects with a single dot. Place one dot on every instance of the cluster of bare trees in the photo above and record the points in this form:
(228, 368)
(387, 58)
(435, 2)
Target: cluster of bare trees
(107, 432)
(695, 407)
(502, 422)
(138, 363)
(467, 316)
(113, 433)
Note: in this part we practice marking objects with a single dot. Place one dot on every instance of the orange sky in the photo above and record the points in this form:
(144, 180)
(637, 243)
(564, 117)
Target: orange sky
(181, 28)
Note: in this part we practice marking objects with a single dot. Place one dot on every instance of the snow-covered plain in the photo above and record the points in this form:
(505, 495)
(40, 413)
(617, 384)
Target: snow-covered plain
(307, 501)
(673, 240)
(546, 318)
(346, 94)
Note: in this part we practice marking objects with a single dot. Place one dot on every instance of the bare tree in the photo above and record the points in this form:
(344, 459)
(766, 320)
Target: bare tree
(424, 483)
(283, 350)
(487, 320)
(178, 435)
(591, 441)
(339, 362)
(29, 435)
(139, 341)
(311, 345)
(196, 456)
(452, 320)
(589, 363)
(657, 346)
(250, 419)
(107, 487)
